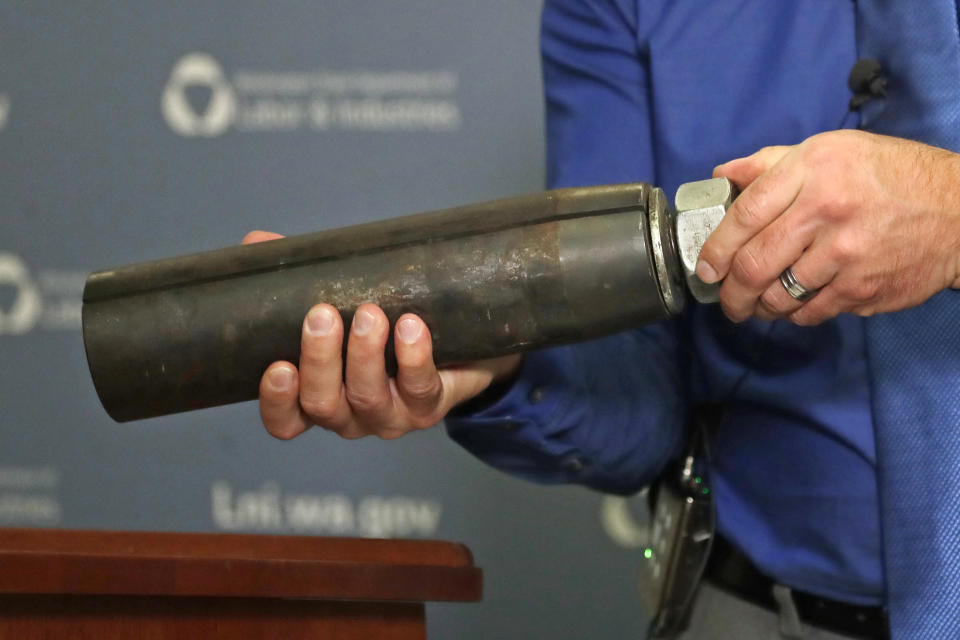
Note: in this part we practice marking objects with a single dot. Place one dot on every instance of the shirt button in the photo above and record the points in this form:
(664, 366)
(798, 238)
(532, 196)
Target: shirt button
(537, 395)
(573, 464)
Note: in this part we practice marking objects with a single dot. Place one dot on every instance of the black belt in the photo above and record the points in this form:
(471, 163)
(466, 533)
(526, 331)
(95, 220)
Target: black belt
(732, 571)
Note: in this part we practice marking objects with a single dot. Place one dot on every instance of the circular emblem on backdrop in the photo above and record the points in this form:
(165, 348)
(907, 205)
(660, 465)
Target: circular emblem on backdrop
(192, 70)
(25, 310)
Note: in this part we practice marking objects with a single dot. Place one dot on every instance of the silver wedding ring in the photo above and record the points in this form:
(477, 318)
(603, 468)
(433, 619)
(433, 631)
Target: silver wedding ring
(796, 290)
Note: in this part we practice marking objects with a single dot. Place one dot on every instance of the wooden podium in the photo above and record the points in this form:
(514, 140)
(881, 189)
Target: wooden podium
(102, 585)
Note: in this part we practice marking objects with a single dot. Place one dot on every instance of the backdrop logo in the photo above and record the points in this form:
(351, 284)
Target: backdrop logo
(201, 99)
(202, 71)
(26, 307)
(28, 496)
(4, 110)
(50, 299)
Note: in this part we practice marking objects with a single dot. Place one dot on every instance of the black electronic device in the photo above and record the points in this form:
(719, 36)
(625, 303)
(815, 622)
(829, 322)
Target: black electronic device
(682, 531)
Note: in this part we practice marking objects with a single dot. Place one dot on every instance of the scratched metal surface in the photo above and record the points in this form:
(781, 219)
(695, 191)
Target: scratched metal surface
(541, 270)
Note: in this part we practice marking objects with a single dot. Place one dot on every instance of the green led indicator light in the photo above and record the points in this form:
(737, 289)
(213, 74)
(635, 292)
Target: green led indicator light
(698, 479)
(706, 491)
(648, 553)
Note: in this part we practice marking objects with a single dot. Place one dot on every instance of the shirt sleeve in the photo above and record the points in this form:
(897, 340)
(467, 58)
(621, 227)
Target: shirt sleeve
(595, 76)
(608, 413)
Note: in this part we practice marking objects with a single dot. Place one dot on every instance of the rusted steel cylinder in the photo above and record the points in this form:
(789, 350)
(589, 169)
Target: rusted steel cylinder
(488, 279)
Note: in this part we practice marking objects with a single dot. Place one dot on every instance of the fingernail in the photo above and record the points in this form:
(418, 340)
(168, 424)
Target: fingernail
(320, 321)
(705, 272)
(280, 378)
(362, 322)
(409, 330)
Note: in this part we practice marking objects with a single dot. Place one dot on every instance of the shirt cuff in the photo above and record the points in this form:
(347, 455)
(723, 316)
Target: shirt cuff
(524, 428)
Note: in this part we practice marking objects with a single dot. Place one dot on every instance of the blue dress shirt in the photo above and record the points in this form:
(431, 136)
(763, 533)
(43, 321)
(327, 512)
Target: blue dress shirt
(661, 91)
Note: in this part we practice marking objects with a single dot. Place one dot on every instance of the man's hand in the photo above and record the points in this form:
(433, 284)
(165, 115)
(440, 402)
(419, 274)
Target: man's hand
(872, 221)
(365, 401)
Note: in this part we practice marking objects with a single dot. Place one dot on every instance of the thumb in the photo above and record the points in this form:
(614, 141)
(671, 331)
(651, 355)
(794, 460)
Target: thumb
(464, 382)
(743, 171)
(260, 236)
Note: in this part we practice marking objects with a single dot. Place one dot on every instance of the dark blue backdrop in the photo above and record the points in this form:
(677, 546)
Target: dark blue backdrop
(133, 131)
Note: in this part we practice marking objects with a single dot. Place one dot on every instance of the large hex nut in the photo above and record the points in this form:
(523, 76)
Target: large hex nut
(700, 207)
